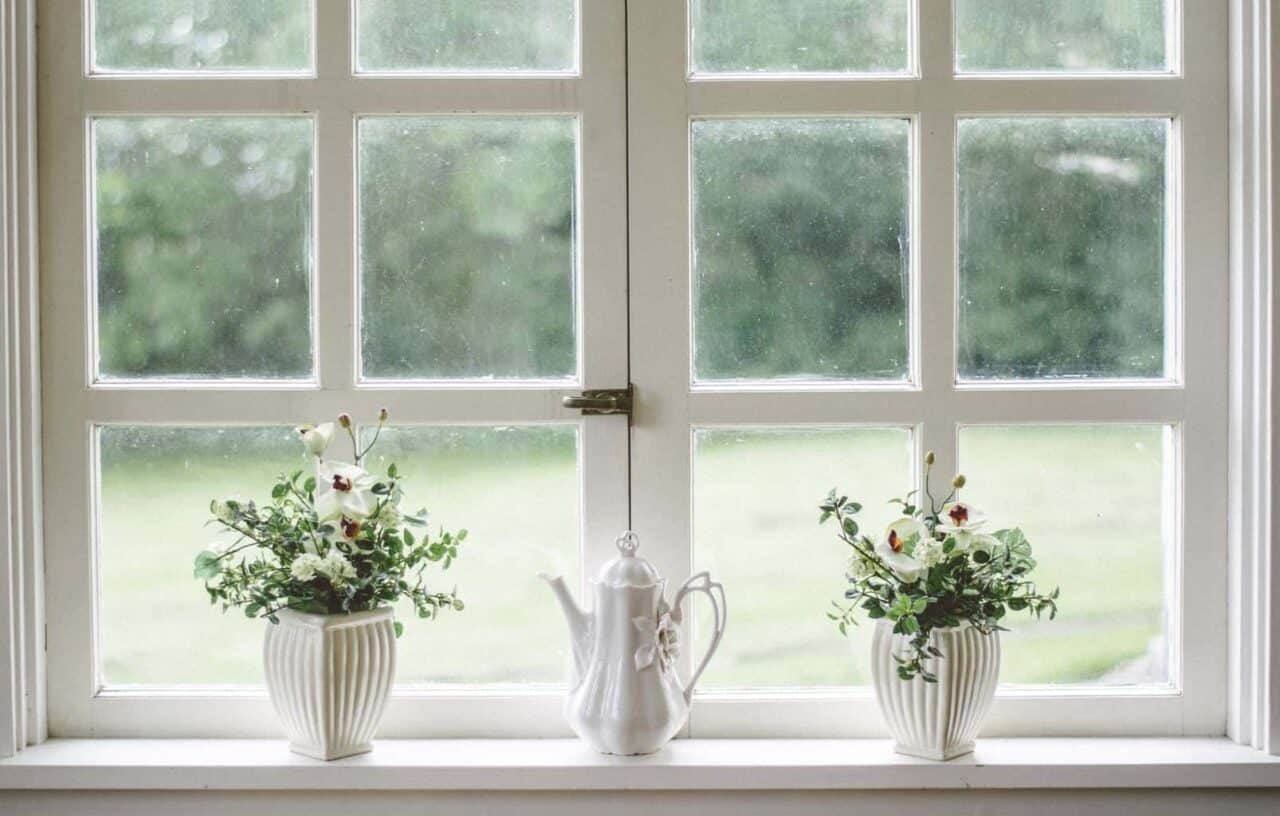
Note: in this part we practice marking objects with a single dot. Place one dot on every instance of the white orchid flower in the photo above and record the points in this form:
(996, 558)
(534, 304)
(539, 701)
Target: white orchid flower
(962, 521)
(343, 490)
(897, 549)
(316, 438)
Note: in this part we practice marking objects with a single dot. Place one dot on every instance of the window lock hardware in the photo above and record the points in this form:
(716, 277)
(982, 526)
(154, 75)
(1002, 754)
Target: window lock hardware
(601, 401)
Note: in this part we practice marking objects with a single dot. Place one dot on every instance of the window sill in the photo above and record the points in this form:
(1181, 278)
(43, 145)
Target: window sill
(105, 764)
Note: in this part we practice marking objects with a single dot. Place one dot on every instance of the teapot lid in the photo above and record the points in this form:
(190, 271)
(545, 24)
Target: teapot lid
(628, 570)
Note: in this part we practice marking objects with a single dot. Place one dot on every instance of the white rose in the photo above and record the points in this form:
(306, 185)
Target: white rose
(343, 490)
(304, 566)
(316, 438)
(336, 566)
(929, 553)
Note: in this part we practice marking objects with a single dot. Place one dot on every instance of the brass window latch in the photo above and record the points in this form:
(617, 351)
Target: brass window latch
(601, 401)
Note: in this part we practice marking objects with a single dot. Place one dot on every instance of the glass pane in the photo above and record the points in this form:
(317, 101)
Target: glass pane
(801, 259)
(467, 247)
(201, 35)
(755, 526)
(204, 247)
(156, 487)
(1093, 502)
(1062, 233)
(467, 35)
(1080, 36)
(516, 491)
(824, 36)
(157, 624)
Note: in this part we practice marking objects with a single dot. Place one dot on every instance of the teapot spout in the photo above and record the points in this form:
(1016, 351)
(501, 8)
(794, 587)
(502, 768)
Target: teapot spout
(579, 622)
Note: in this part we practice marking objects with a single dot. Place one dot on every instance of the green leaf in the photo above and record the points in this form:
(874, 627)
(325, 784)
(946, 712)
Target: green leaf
(391, 470)
(206, 564)
(399, 627)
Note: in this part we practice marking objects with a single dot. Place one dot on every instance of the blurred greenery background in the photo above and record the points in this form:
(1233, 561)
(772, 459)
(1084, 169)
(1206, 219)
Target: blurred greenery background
(803, 256)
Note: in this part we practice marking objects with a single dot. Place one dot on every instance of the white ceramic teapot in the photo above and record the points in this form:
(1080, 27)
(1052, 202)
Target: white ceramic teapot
(625, 695)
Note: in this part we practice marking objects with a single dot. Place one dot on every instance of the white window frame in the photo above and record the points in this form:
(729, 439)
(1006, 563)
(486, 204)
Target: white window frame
(666, 96)
(334, 97)
(1255, 575)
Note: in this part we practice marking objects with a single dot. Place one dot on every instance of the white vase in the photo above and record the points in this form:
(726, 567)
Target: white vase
(329, 678)
(936, 720)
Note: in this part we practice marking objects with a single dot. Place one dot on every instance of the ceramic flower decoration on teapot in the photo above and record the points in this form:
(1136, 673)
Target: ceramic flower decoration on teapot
(625, 693)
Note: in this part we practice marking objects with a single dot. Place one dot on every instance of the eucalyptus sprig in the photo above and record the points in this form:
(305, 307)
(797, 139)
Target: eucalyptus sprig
(934, 568)
(331, 543)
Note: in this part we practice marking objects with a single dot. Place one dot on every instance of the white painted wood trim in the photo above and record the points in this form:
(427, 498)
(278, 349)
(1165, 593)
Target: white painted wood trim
(690, 765)
(1254, 644)
(21, 580)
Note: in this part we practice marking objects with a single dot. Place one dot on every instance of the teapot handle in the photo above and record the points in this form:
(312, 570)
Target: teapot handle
(702, 583)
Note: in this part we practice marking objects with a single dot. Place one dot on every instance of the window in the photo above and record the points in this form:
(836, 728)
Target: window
(819, 242)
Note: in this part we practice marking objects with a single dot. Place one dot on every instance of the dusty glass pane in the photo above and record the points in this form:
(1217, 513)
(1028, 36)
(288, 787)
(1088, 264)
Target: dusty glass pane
(201, 35)
(204, 247)
(801, 249)
(755, 514)
(1080, 36)
(516, 491)
(467, 35)
(467, 253)
(1062, 231)
(1092, 501)
(157, 624)
(798, 36)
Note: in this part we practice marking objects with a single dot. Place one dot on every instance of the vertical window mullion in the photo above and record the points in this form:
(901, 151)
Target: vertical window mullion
(335, 289)
(934, 239)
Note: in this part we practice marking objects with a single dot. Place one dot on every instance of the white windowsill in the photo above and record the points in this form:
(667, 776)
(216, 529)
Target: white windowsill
(104, 764)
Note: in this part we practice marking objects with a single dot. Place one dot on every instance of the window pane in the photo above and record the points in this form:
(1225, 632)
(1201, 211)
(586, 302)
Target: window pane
(157, 625)
(755, 512)
(200, 35)
(1094, 504)
(826, 36)
(1062, 232)
(467, 247)
(156, 486)
(801, 261)
(467, 35)
(516, 491)
(204, 247)
(1080, 36)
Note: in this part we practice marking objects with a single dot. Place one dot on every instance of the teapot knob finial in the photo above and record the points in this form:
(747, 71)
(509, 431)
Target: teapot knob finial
(628, 543)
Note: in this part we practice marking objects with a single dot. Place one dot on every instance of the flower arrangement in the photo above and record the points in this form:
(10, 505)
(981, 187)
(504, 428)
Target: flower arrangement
(331, 543)
(934, 567)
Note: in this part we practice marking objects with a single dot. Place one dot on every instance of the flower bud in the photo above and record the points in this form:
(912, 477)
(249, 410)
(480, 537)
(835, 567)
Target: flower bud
(929, 458)
(344, 420)
(383, 414)
(958, 481)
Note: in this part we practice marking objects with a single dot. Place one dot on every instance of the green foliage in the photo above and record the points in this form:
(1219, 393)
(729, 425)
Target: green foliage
(933, 570)
(293, 553)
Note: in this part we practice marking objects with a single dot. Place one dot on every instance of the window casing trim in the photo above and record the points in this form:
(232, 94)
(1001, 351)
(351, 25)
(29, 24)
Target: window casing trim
(1257, 721)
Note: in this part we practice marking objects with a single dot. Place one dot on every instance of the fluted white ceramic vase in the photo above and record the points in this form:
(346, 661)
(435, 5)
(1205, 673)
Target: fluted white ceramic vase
(936, 720)
(329, 678)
